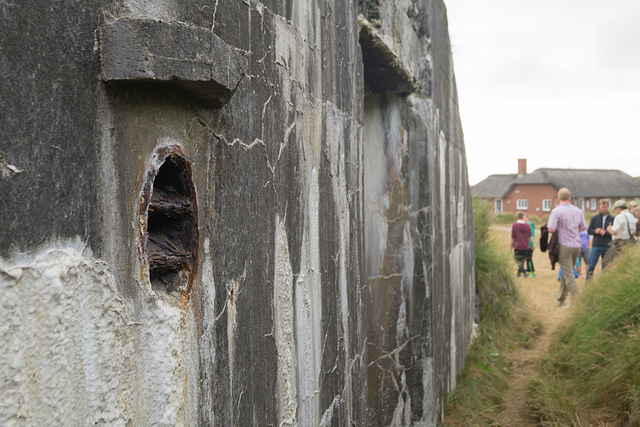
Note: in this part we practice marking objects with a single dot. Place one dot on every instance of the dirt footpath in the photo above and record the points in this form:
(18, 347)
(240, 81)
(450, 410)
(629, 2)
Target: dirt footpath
(540, 294)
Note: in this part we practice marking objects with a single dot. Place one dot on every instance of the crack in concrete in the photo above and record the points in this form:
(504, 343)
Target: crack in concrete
(393, 353)
(256, 142)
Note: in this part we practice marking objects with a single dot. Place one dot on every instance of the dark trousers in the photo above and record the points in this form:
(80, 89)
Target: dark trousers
(520, 257)
(529, 261)
(596, 252)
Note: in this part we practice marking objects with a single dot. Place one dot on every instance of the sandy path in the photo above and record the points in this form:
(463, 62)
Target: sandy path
(540, 294)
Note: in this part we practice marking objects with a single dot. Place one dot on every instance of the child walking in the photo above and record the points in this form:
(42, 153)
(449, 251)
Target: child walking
(520, 235)
(531, 271)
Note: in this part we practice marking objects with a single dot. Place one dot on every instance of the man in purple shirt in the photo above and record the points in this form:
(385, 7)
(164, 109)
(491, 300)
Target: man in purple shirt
(568, 221)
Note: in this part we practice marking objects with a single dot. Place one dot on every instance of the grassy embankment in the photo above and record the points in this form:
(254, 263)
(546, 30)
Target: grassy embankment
(506, 324)
(591, 375)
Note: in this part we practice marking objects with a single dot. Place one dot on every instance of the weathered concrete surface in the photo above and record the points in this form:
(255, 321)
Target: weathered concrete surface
(74, 353)
(334, 275)
(418, 219)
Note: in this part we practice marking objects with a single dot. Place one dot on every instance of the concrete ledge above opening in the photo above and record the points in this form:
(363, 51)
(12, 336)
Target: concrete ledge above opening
(383, 70)
(191, 57)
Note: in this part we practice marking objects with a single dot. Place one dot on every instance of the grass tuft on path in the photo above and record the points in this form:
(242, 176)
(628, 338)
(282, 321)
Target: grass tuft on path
(591, 375)
(505, 324)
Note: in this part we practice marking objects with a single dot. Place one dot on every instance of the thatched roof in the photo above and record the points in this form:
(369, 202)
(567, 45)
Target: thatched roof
(494, 186)
(582, 183)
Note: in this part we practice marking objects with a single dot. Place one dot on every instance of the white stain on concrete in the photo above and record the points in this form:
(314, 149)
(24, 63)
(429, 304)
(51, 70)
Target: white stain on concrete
(327, 417)
(375, 187)
(296, 57)
(234, 289)
(402, 412)
(336, 122)
(208, 347)
(308, 309)
(428, 399)
(287, 390)
(67, 343)
(76, 352)
(8, 170)
(166, 10)
(456, 266)
(408, 259)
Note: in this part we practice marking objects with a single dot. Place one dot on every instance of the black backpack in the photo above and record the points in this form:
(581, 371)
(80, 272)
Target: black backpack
(544, 238)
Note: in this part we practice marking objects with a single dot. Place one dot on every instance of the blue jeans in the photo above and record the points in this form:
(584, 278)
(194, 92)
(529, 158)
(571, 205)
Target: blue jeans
(585, 256)
(596, 252)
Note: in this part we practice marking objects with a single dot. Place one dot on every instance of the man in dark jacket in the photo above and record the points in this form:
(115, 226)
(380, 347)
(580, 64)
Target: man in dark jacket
(601, 237)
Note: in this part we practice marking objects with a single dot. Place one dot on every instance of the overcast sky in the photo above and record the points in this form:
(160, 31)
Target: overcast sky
(554, 81)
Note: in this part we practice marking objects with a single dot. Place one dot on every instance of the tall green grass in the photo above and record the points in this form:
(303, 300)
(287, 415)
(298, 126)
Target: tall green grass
(505, 324)
(591, 375)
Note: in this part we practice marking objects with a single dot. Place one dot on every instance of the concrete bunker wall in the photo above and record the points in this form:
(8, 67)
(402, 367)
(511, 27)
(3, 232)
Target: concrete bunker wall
(418, 214)
(332, 256)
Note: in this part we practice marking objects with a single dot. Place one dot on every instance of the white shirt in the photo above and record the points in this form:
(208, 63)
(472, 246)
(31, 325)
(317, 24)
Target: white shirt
(622, 224)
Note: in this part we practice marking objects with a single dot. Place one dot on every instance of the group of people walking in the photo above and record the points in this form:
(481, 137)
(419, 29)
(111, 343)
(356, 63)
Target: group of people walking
(570, 240)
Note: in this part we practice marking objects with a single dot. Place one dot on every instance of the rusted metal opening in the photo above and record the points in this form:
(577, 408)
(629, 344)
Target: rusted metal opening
(170, 241)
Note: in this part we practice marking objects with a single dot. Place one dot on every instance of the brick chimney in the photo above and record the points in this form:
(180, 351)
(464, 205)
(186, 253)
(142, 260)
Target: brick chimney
(522, 166)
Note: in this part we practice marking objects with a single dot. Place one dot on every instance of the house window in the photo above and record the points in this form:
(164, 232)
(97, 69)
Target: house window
(546, 205)
(498, 206)
(521, 204)
(581, 203)
(593, 204)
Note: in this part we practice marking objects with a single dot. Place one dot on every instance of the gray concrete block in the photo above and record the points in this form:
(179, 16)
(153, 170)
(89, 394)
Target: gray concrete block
(172, 52)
